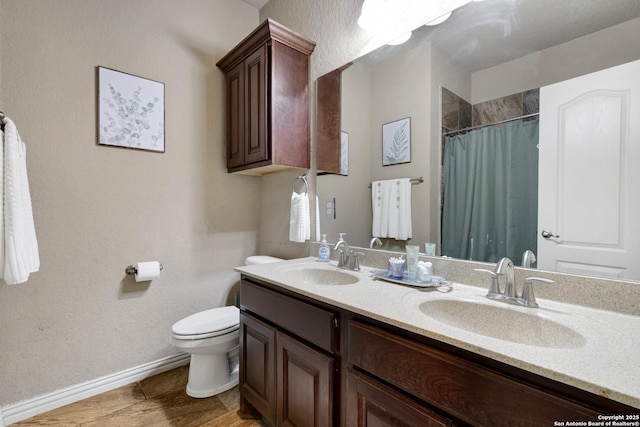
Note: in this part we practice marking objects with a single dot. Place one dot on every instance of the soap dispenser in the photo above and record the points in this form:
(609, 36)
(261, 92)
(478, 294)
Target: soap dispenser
(324, 253)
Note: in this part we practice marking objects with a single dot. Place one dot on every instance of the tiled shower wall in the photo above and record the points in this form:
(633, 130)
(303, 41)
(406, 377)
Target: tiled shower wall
(459, 114)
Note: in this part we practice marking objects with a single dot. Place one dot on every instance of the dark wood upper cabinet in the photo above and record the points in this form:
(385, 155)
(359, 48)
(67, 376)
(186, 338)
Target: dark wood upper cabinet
(267, 101)
(329, 121)
(328, 93)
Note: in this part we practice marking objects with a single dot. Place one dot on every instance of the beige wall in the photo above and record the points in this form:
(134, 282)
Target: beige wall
(98, 209)
(607, 48)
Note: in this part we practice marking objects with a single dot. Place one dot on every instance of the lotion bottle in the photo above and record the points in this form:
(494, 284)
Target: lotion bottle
(324, 253)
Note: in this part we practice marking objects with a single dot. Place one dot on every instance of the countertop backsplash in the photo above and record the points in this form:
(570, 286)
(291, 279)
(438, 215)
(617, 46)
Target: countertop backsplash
(603, 294)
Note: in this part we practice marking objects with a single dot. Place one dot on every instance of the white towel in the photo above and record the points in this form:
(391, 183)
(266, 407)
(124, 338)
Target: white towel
(299, 220)
(18, 245)
(317, 219)
(391, 206)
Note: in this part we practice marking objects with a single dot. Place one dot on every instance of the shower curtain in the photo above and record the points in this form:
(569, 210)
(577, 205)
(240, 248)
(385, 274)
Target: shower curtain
(490, 206)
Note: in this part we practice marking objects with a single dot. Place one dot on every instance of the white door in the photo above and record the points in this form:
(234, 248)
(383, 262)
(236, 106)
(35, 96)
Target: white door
(589, 174)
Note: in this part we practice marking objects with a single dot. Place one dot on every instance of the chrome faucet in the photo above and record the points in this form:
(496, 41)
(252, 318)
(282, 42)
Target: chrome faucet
(528, 258)
(505, 267)
(348, 258)
(375, 241)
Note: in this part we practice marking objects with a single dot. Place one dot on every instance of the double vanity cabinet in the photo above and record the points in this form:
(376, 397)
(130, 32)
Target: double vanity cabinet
(307, 362)
(267, 93)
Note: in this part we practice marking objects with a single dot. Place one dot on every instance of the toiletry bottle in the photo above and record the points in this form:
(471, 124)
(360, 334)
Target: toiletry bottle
(324, 253)
(412, 261)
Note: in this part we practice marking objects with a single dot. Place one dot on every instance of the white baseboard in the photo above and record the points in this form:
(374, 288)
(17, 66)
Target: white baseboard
(31, 407)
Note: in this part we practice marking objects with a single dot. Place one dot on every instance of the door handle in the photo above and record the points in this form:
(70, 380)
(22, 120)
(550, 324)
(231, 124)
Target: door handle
(548, 234)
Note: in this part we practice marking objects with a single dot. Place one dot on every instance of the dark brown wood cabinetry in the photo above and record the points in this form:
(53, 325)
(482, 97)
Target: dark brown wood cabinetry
(370, 403)
(308, 363)
(287, 351)
(257, 365)
(267, 85)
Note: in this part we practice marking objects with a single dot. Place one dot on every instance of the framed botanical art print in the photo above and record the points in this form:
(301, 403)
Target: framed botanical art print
(130, 111)
(396, 142)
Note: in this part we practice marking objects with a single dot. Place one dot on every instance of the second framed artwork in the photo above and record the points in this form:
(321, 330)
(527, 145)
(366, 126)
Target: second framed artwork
(130, 111)
(396, 142)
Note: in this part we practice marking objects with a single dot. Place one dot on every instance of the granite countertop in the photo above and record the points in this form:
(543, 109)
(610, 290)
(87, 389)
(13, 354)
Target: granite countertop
(601, 357)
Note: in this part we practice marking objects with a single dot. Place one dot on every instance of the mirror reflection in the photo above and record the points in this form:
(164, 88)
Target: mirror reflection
(485, 64)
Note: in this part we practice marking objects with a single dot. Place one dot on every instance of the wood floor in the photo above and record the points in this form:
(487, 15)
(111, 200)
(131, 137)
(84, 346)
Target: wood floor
(158, 401)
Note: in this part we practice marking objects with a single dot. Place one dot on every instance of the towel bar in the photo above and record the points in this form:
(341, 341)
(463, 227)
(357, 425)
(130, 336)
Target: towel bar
(413, 181)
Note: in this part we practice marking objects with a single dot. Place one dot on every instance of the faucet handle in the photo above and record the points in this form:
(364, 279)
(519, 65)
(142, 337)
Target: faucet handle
(355, 261)
(528, 297)
(494, 287)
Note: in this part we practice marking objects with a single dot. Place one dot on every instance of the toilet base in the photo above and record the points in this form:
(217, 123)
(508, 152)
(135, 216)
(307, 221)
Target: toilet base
(202, 393)
(211, 374)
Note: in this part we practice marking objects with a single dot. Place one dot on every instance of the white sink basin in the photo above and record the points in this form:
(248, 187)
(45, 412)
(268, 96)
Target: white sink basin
(313, 275)
(503, 322)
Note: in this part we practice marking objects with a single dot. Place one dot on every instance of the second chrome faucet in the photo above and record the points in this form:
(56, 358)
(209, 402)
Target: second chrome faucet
(505, 268)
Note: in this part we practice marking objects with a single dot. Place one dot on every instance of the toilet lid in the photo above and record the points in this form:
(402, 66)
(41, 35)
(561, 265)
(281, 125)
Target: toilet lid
(210, 322)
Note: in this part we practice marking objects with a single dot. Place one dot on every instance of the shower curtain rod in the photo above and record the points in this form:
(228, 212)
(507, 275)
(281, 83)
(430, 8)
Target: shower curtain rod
(490, 124)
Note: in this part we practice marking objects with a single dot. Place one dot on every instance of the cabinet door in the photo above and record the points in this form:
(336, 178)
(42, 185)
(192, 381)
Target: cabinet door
(257, 365)
(305, 384)
(236, 112)
(371, 404)
(255, 138)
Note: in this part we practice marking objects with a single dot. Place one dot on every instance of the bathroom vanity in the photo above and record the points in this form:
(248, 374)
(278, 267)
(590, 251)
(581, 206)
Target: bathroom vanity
(321, 346)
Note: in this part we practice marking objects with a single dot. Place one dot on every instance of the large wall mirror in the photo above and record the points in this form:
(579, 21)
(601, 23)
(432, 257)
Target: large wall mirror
(487, 54)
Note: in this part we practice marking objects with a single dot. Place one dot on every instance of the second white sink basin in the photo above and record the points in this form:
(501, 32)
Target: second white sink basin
(505, 323)
(306, 274)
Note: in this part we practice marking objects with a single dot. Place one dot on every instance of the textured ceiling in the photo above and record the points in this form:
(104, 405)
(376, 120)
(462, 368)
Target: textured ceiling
(483, 34)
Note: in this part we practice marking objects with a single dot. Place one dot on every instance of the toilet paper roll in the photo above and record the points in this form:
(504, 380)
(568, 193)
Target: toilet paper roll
(146, 271)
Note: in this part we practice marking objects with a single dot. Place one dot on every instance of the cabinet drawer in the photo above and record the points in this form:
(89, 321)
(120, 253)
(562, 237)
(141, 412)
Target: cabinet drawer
(468, 391)
(371, 403)
(306, 321)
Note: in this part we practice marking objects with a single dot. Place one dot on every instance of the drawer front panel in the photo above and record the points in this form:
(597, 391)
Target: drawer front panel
(307, 321)
(468, 391)
(371, 403)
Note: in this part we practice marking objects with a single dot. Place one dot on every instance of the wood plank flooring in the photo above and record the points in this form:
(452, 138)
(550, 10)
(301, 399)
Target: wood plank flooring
(158, 401)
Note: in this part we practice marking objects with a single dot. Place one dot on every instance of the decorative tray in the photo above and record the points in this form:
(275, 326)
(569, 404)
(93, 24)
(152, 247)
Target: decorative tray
(434, 282)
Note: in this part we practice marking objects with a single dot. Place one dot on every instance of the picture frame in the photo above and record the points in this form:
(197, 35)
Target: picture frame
(396, 142)
(130, 111)
(344, 153)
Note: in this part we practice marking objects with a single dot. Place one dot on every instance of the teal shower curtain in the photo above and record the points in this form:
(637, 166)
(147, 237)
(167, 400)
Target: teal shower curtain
(490, 206)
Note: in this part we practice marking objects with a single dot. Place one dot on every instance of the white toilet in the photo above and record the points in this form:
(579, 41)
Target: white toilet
(212, 338)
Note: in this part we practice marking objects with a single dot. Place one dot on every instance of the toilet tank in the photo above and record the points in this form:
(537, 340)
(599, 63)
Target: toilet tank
(261, 259)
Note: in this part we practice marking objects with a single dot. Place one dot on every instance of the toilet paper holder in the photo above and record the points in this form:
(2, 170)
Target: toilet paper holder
(133, 270)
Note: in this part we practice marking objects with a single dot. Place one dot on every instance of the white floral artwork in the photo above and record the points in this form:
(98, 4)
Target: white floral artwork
(131, 111)
(344, 153)
(396, 142)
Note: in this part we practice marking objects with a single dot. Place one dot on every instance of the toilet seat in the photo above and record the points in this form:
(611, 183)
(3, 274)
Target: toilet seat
(206, 324)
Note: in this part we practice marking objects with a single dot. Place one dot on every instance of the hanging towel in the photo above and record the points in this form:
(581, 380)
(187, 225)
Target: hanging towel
(317, 219)
(299, 219)
(18, 245)
(391, 206)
